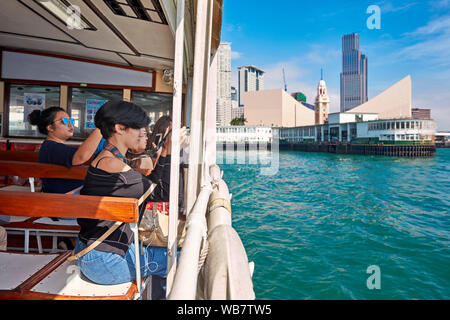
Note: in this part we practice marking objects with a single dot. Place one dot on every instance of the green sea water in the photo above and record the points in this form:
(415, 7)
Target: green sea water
(315, 227)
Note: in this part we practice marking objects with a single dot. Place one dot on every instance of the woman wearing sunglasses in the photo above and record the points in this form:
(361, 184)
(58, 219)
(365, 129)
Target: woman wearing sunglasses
(58, 127)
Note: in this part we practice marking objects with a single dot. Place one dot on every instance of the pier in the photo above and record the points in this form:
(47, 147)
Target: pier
(364, 149)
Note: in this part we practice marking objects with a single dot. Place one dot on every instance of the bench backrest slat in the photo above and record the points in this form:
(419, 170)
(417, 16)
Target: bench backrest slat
(31, 204)
(41, 170)
(25, 156)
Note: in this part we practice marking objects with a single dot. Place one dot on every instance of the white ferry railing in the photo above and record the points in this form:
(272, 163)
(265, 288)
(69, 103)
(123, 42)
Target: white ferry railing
(226, 272)
(184, 286)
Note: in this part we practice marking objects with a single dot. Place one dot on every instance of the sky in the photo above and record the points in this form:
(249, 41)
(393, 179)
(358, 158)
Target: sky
(303, 36)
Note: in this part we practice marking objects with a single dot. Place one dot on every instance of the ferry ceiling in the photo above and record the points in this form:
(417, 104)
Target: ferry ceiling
(136, 33)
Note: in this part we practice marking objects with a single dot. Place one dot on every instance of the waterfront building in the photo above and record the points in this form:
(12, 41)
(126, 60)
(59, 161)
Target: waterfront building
(442, 139)
(244, 134)
(354, 73)
(393, 103)
(363, 128)
(322, 105)
(223, 111)
(276, 108)
(250, 79)
(384, 120)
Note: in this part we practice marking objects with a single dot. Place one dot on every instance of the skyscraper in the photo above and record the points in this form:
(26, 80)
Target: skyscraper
(250, 79)
(354, 73)
(223, 114)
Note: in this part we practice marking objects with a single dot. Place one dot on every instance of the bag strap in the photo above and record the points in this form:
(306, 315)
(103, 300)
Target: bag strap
(110, 230)
(95, 243)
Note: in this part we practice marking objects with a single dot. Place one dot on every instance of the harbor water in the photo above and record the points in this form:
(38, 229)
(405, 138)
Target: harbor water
(315, 227)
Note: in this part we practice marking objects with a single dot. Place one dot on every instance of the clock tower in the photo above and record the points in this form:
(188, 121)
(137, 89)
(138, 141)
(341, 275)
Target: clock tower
(322, 104)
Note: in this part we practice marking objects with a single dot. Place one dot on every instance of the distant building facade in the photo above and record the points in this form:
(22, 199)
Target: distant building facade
(276, 108)
(234, 94)
(236, 111)
(240, 134)
(354, 73)
(223, 111)
(322, 105)
(250, 79)
(421, 113)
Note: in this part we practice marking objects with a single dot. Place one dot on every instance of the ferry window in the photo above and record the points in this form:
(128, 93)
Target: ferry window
(23, 99)
(84, 104)
(403, 125)
(156, 104)
(407, 125)
(393, 125)
(397, 125)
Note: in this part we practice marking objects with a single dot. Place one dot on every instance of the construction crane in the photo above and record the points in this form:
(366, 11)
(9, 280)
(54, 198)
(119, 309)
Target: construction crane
(284, 79)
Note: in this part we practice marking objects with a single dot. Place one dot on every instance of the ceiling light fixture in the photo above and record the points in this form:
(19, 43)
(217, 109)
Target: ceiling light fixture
(68, 14)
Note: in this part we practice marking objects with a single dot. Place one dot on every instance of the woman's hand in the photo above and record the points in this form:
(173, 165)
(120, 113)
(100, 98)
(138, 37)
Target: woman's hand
(167, 147)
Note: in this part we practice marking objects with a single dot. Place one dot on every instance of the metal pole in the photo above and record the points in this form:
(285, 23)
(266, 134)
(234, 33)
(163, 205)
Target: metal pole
(175, 158)
(199, 93)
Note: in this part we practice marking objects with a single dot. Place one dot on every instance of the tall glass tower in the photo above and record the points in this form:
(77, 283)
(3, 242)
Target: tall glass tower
(354, 73)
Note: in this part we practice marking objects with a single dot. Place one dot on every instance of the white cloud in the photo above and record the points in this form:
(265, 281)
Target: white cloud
(387, 7)
(235, 55)
(438, 101)
(442, 4)
(432, 43)
(439, 25)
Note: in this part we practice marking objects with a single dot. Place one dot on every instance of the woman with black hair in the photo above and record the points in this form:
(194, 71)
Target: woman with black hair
(123, 124)
(56, 124)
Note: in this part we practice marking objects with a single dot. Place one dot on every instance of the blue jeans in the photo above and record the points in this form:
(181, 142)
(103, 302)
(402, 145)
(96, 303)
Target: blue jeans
(109, 268)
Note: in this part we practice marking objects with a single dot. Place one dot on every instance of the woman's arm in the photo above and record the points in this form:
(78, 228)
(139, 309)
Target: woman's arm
(87, 149)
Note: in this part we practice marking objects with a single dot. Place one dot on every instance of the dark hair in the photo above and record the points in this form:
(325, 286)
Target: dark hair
(42, 119)
(158, 131)
(120, 112)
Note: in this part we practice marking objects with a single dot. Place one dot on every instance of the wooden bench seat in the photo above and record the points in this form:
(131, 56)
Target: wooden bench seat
(52, 277)
(59, 278)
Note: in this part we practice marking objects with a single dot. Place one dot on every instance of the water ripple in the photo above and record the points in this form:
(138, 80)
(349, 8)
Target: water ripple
(314, 228)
